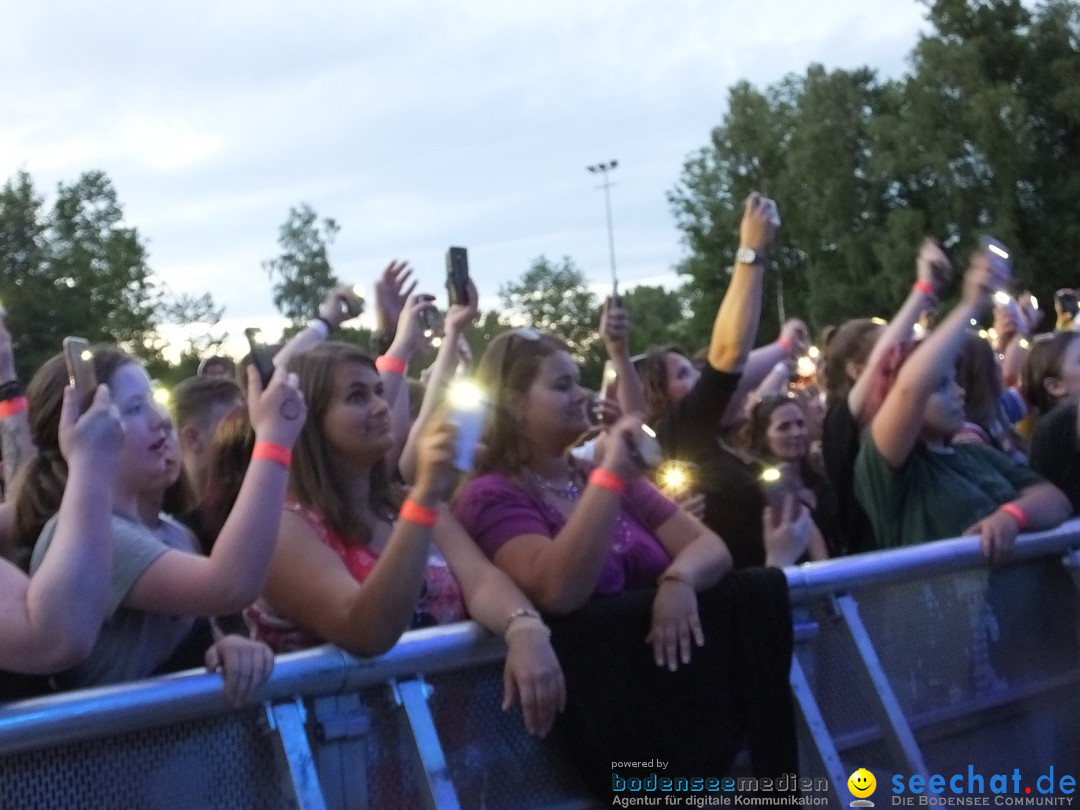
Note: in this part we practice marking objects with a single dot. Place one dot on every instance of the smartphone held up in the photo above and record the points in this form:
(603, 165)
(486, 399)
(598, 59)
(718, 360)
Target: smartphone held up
(80, 368)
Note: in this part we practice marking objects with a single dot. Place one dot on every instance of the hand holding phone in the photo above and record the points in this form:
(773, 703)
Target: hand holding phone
(260, 355)
(457, 276)
(80, 367)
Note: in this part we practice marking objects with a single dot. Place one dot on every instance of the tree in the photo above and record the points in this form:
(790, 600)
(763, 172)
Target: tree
(978, 137)
(555, 298)
(302, 273)
(658, 316)
(77, 270)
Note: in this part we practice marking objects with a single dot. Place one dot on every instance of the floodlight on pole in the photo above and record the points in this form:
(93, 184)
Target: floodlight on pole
(605, 169)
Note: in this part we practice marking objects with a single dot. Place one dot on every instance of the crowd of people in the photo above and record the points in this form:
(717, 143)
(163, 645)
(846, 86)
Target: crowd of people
(331, 503)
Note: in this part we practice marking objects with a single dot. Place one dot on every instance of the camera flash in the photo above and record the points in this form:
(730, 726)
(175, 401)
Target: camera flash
(997, 250)
(1002, 298)
(465, 395)
(771, 475)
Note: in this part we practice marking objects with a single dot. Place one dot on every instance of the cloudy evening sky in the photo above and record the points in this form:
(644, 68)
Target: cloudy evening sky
(416, 125)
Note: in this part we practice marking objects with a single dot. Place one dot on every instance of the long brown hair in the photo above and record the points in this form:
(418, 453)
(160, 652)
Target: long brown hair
(1044, 361)
(652, 369)
(315, 481)
(40, 483)
(507, 368)
(852, 342)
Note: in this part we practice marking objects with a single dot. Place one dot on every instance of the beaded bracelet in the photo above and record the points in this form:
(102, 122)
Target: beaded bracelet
(272, 452)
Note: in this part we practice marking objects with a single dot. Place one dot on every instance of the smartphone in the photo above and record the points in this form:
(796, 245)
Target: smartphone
(468, 410)
(457, 276)
(260, 355)
(644, 448)
(80, 367)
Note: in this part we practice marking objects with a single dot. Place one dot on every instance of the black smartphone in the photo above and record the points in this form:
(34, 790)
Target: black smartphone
(80, 368)
(457, 276)
(260, 355)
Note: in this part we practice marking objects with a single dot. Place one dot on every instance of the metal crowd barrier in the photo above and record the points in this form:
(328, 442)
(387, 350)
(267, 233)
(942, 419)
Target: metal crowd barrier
(915, 660)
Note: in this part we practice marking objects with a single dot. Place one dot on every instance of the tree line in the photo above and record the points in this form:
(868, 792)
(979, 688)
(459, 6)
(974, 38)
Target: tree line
(979, 136)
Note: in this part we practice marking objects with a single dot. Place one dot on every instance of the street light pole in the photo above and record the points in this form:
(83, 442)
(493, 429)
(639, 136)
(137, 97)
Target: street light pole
(604, 169)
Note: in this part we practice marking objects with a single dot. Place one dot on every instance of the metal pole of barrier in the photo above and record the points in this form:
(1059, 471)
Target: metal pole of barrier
(287, 722)
(827, 759)
(412, 695)
(890, 716)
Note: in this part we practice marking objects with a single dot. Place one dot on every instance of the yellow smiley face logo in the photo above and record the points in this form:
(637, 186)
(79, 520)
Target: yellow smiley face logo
(862, 783)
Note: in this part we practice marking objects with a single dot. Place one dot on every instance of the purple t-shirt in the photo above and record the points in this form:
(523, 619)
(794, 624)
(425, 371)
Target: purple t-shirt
(494, 510)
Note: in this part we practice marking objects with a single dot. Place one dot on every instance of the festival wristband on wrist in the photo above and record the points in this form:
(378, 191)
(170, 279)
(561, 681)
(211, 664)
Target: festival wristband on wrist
(272, 452)
(1015, 512)
(388, 363)
(420, 515)
(607, 480)
(925, 287)
(10, 407)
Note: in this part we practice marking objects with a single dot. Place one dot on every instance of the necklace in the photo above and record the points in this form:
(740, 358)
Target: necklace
(570, 490)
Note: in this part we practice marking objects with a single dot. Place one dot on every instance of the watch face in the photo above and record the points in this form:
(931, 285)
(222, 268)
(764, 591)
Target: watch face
(746, 256)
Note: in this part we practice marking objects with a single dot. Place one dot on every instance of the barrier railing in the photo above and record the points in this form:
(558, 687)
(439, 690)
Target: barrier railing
(899, 657)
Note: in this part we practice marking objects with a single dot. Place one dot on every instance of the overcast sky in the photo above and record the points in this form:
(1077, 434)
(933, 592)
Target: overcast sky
(415, 125)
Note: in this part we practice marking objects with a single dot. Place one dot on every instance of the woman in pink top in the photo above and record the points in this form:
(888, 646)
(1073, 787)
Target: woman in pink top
(351, 570)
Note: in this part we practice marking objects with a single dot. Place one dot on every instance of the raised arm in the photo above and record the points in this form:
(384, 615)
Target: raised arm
(232, 577)
(615, 332)
(18, 448)
(50, 621)
(559, 574)
(443, 369)
(340, 304)
(933, 272)
(309, 585)
(898, 424)
(736, 323)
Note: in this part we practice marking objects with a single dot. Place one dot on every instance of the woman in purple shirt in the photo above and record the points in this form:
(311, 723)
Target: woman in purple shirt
(565, 531)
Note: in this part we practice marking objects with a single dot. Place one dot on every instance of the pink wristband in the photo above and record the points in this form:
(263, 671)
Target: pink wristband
(925, 287)
(13, 406)
(607, 480)
(420, 515)
(272, 452)
(784, 343)
(394, 365)
(1016, 512)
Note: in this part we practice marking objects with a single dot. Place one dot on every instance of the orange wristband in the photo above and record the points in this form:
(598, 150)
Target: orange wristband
(607, 480)
(420, 515)
(272, 452)
(925, 287)
(784, 343)
(394, 365)
(10, 407)
(1016, 512)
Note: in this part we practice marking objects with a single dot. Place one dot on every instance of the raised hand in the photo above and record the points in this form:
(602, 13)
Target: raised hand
(435, 453)
(933, 267)
(459, 316)
(341, 304)
(392, 294)
(278, 412)
(615, 327)
(757, 229)
(786, 530)
(97, 434)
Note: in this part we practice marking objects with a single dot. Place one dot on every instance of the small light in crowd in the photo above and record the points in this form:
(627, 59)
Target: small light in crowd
(87, 356)
(997, 250)
(1025, 343)
(436, 342)
(162, 395)
(648, 431)
(465, 395)
(992, 333)
(674, 478)
(919, 330)
(806, 366)
(877, 321)
(1002, 298)
(813, 352)
(429, 333)
(984, 334)
(974, 322)
(771, 475)
(1033, 301)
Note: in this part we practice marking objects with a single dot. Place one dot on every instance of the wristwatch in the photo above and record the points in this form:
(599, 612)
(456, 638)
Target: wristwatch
(745, 255)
